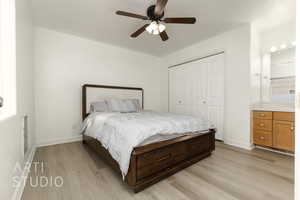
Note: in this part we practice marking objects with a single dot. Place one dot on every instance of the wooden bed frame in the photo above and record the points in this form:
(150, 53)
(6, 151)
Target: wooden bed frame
(153, 162)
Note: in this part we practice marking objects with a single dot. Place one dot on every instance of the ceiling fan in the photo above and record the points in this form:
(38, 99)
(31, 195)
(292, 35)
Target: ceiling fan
(155, 14)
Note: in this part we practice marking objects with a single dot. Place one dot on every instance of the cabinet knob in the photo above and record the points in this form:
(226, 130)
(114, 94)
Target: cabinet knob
(261, 124)
(292, 128)
(262, 114)
(262, 137)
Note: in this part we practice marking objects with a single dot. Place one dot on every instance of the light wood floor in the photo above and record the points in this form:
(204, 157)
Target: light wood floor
(230, 173)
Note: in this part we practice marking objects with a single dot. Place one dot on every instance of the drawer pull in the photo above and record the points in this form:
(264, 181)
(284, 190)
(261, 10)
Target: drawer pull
(164, 158)
(262, 124)
(262, 138)
(262, 114)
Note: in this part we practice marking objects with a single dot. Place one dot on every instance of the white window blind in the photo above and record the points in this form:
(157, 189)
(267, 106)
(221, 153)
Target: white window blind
(7, 58)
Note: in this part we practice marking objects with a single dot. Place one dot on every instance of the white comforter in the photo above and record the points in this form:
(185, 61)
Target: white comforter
(119, 133)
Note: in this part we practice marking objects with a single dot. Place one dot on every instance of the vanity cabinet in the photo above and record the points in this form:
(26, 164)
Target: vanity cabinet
(274, 129)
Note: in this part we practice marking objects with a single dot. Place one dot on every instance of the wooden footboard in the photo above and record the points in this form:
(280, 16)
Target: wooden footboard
(154, 162)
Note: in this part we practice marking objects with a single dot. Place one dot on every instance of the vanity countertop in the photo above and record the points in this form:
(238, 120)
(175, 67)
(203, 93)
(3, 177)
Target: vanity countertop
(273, 107)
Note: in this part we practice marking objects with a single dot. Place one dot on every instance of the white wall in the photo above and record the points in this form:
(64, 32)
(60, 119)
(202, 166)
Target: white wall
(236, 44)
(63, 63)
(256, 63)
(11, 146)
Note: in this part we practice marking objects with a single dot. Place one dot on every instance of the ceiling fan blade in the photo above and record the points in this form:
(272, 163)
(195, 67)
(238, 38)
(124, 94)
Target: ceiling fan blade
(160, 6)
(127, 14)
(164, 36)
(139, 31)
(181, 20)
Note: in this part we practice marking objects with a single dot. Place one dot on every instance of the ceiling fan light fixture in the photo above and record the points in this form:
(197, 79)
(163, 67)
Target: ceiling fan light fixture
(149, 29)
(155, 32)
(155, 28)
(152, 27)
(161, 28)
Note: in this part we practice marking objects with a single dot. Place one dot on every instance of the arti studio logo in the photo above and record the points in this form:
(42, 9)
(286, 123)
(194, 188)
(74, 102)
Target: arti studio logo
(37, 176)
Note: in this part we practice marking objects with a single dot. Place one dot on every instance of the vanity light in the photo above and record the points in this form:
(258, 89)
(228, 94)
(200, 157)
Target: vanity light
(283, 46)
(273, 49)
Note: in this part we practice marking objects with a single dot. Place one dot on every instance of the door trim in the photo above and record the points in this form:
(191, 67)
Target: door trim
(196, 59)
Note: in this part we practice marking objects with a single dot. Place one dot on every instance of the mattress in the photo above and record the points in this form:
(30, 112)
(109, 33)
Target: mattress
(119, 133)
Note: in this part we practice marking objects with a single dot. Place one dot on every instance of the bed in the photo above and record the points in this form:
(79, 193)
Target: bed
(151, 160)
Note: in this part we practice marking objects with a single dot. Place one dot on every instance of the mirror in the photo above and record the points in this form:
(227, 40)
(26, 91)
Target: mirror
(278, 76)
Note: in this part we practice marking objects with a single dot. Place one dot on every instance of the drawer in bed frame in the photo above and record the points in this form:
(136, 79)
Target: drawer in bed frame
(154, 162)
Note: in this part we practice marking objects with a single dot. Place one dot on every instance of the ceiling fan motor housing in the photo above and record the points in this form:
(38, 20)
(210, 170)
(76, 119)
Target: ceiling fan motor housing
(151, 14)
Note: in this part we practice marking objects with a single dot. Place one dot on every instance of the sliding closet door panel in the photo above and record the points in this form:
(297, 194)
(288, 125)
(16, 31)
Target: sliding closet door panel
(197, 88)
(177, 90)
(215, 95)
(197, 77)
(188, 90)
(216, 80)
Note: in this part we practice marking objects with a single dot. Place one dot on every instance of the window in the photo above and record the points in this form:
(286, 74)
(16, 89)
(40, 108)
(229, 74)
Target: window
(7, 58)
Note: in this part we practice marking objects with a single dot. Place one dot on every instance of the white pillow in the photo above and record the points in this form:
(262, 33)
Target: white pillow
(129, 106)
(115, 105)
(124, 106)
(99, 106)
(137, 104)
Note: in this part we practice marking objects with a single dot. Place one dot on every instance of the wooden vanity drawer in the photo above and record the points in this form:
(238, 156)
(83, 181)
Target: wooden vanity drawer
(262, 124)
(262, 115)
(284, 116)
(263, 138)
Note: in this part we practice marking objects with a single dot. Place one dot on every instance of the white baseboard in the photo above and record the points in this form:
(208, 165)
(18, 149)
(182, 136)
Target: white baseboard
(60, 141)
(239, 144)
(274, 150)
(17, 195)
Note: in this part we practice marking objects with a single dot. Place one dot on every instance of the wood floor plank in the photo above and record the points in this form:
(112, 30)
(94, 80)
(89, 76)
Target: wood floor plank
(229, 174)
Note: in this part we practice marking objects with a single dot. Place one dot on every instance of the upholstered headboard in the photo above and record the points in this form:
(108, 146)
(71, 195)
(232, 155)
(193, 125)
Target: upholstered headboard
(92, 93)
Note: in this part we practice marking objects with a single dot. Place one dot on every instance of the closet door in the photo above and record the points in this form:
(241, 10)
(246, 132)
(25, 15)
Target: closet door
(197, 88)
(215, 93)
(188, 90)
(177, 84)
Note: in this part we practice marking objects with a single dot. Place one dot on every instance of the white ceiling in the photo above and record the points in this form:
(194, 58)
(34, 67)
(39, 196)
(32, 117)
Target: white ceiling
(96, 19)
